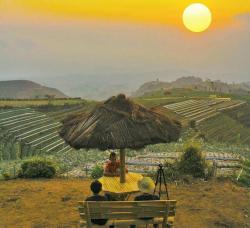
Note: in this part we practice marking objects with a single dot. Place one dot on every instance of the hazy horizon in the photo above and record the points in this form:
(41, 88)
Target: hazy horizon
(58, 49)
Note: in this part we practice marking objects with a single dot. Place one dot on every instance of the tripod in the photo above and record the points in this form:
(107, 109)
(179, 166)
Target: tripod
(160, 176)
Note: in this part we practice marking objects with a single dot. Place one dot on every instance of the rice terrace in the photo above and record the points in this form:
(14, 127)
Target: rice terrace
(124, 114)
(31, 131)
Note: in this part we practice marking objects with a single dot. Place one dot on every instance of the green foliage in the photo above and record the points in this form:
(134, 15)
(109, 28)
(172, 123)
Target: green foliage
(244, 179)
(6, 176)
(38, 168)
(97, 172)
(10, 103)
(192, 124)
(246, 163)
(192, 162)
(172, 171)
(219, 129)
(241, 114)
(209, 172)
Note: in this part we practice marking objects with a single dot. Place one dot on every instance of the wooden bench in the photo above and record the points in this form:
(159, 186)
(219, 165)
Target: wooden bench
(125, 213)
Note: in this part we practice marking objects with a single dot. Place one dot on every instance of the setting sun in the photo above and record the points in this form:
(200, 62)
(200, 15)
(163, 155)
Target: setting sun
(197, 17)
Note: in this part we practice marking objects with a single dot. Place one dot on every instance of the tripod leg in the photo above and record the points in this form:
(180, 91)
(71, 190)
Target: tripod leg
(156, 182)
(160, 171)
(165, 183)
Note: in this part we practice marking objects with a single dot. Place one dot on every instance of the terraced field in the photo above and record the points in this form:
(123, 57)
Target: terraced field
(149, 163)
(33, 131)
(25, 132)
(241, 114)
(223, 128)
(200, 110)
(39, 102)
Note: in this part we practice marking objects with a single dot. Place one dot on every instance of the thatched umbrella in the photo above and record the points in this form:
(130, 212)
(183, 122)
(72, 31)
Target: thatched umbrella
(119, 123)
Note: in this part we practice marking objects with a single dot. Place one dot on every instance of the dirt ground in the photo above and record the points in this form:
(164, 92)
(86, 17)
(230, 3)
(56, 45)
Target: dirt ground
(53, 203)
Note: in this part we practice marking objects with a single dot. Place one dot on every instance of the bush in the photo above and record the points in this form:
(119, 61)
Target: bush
(209, 172)
(192, 162)
(244, 179)
(37, 168)
(192, 124)
(171, 171)
(97, 172)
(6, 176)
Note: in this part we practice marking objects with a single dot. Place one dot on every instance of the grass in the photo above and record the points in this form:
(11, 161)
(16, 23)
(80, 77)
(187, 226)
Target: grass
(53, 203)
(39, 102)
(159, 97)
(186, 92)
(241, 114)
(60, 112)
(179, 93)
(153, 102)
(245, 97)
(231, 126)
(223, 128)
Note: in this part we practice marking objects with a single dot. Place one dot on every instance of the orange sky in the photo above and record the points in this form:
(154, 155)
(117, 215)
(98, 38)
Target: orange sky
(149, 11)
(124, 42)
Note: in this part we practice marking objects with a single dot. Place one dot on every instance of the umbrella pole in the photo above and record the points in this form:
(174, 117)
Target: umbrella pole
(122, 166)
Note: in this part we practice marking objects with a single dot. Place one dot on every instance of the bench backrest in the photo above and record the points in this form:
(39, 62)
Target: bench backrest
(124, 210)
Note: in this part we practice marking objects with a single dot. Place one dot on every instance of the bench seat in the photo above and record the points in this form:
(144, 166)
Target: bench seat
(125, 213)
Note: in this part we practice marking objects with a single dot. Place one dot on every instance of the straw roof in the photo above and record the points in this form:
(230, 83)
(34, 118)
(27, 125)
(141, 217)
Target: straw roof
(118, 123)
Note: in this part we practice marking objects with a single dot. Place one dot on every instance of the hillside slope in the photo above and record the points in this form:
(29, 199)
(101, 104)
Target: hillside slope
(223, 128)
(241, 114)
(193, 83)
(24, 89)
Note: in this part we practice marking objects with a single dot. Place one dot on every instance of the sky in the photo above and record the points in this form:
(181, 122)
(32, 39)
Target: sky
(70, 44)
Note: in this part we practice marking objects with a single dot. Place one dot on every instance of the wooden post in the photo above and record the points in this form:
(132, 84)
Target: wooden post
(122, 168)
(214, 168)
(86, 207)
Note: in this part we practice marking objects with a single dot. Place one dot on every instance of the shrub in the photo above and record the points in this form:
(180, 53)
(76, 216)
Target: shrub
(244, 179)
(97, 172)
(192, 162)
(209, 172)
(171, 171)
(192, 124)
(37, 168)
(6, 176)
(203, 137)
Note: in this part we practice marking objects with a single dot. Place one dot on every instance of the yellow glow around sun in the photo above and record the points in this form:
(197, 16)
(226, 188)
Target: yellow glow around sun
(197, 17)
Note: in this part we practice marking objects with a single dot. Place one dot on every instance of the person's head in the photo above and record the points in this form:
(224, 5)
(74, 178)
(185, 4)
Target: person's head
(112, 157)
(96, 187)
(146, 185)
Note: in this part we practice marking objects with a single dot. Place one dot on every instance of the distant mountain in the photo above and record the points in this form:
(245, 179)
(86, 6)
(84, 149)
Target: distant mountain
(94, 87)
(151, 86)
(194, 83)
(24, 89)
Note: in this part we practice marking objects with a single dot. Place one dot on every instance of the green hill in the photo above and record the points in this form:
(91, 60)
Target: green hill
(24, 89)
